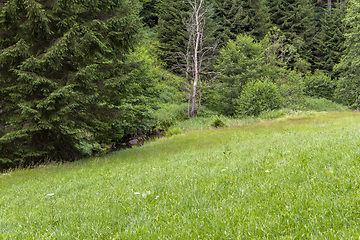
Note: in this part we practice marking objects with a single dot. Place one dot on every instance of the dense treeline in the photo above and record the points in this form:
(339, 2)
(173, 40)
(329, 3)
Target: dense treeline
(75, 74)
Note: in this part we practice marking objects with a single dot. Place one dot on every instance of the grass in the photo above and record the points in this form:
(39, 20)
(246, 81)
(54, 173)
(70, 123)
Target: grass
(295, 177)
(322, 104)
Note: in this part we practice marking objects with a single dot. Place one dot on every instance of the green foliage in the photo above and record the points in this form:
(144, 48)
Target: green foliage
(87, 149)
(240, 17)
(239, 62)
(271, 114)
(290, 85)
(171, 30)
(259, 96)
(172, 89)
(296, 19)
(170, 114)
(347, 91)
(63, 73)
(279, 51)
(328, 45)
(322, 104)
(173, 131)
(218, 122)
(319, 85)
(150, 12)
(348, 87)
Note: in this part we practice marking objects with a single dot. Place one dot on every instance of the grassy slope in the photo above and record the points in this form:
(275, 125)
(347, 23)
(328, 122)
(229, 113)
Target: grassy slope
(291, 178)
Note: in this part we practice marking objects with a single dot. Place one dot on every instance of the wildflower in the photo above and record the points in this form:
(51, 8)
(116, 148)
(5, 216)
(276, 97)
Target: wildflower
(267, 171)
(51, 194)
(136, 193)
(156, 197)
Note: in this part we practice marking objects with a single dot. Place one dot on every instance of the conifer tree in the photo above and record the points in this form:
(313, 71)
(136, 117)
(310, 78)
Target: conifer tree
(150, 12)
(63, 76)
(348, 89)
(171, 29)
(229, 17)
(295, 18)
(235, 17)
(327, 45)
(257, 18)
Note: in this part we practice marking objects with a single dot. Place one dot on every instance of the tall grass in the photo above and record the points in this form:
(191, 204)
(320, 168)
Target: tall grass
(292, 178)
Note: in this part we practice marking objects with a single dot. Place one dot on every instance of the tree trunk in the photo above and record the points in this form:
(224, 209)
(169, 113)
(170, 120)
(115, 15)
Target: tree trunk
(196, 52)
(189, 93)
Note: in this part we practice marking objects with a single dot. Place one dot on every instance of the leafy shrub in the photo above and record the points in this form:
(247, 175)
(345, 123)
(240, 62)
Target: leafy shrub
(240, 61)
(205, 112)
(259, 96)
(218, 122)
(348, 91)
(271, 114)
(322, 104)
(319, 85)
(291, 87)
(170, 114)
(87, 148)
(173, 131)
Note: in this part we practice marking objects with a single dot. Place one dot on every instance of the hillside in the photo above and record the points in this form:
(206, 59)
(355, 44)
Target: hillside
(289, 178)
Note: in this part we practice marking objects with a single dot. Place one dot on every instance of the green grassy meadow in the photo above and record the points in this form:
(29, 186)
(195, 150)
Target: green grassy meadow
(297, 177)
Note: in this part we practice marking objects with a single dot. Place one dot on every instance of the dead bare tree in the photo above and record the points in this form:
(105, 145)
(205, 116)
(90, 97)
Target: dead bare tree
(197, 54)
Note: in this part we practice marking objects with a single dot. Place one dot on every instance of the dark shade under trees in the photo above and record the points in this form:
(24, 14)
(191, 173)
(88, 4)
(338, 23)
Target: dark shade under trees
(64, 76)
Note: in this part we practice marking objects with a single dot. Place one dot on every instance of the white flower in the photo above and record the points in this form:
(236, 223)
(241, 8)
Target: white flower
(51, 194)
(156, 197)
(136, 193)
(223, 170)
(267, 171)
(144, 195)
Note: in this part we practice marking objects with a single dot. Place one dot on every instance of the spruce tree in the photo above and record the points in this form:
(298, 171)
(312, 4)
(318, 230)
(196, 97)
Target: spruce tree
(257, 18)
(348, 90)
(63, 76)
(150, 12)
(295, 18)
(236, 17)
(327, 45)
(171, 30)
(229, 16)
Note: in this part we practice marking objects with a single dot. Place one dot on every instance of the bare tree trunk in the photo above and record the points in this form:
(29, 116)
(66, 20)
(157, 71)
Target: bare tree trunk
(197, 8)
(199, 103)
(196, 56)
(189, 93)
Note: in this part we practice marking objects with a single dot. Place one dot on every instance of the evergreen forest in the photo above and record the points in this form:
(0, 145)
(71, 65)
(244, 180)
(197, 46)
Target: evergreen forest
(80, 77)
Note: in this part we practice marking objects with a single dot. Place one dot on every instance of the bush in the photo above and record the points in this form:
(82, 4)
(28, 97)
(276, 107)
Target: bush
(240, 61)
(87, 148)
(322, 104)
(170, 114)
(348, 91)
(271, 114)
(218, 122)
(173, 131)
(319, 85)
(259, 96)
(291, 88)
